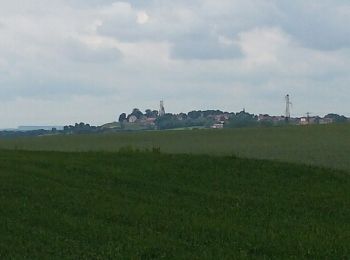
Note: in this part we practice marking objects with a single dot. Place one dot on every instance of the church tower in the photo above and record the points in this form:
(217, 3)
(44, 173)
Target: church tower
(161, 108)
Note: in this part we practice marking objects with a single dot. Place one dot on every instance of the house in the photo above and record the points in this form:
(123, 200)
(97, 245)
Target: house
(222, 117)
(264, 117)
(304, 121)
(218, 126)
(326, 121)
(132, 119)
(151, 121)
(309, 120)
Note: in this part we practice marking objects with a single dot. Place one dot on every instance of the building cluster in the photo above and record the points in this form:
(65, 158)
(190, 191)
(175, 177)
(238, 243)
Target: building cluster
(306, 120)
(147, 119)
(142, 120)
(217, 119)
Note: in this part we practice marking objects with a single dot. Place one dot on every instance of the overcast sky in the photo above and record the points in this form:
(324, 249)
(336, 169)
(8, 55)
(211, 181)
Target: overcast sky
(66, 61)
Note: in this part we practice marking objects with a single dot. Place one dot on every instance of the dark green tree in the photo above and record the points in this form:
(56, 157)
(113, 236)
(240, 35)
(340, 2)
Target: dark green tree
(242, 119)
(337, 118)
(136, 112)
(194, 114)
(122, 118)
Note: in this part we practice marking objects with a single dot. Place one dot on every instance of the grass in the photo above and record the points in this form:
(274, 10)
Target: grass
(100, 205)
(327, 146)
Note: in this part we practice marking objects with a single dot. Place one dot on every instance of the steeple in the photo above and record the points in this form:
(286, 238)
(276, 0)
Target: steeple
(161, 108)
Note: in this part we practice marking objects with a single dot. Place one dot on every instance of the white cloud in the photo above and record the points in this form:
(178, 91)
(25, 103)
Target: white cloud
(142, 17)
(224, 54)
(264, 46)
(90, 53)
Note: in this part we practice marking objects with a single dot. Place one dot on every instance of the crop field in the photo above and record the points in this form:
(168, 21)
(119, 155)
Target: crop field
(327, 146)
(137, 205)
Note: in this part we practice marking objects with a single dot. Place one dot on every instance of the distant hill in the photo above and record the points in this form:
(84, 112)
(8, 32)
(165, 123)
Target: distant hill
(111, 125)
(33, 128)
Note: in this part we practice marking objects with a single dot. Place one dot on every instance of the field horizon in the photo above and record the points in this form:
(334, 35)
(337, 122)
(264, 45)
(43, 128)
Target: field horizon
(280, 193)
(324, 145)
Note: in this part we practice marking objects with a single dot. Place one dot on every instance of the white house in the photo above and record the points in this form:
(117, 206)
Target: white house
(132, 119)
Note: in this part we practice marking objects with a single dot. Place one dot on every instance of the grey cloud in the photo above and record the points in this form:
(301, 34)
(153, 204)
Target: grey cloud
(127, 30)
(48, 89)
(191, 38)
(204, 48)
(88, 3)
(80, 52)
(99, 3)
(188, 49)
(319, 25)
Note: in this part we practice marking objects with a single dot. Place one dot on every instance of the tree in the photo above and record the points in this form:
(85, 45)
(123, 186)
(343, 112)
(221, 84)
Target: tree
(122, 118)
(208, 113)
(242, 119)
(136, 112)
(168, 121)
(151, 113)
(195, 114)
(148, 113)
(182, 116)
(337, 118)
(155, 113)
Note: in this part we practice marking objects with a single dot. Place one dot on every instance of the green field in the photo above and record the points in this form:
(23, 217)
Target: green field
(327, 146)
(100, 205)
(216, 194)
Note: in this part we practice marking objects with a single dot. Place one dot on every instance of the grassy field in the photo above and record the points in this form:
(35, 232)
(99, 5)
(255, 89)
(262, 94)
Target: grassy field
(327, 146)
(57, 205)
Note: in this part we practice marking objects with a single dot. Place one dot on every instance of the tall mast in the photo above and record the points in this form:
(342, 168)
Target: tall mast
(288, 104)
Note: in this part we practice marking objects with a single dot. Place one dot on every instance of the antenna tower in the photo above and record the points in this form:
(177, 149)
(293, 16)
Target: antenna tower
(288, 105)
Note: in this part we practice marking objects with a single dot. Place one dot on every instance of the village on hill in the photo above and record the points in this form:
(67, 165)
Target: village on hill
(216, 119)
(196, 119)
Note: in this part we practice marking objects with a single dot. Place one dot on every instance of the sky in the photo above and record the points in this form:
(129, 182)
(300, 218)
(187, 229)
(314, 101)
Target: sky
(67, 61)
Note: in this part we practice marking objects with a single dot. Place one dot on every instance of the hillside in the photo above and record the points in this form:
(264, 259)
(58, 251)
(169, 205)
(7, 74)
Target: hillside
(148, 205)
(324, 145)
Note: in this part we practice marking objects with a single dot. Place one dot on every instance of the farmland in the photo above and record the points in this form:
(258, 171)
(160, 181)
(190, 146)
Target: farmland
(324, 145)
(245, 193)
(110, 205)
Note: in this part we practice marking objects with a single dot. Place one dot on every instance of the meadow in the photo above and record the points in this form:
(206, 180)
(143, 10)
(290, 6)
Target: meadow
(147, 205)
(320, 145)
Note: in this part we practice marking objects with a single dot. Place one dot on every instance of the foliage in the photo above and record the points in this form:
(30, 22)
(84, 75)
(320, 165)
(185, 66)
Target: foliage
(194, 114)
(170, 121)
(206, 113)
(242, 119)
(136, 112)
(122, 118)
(337, 118)
(151, 114)
(80, 128)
